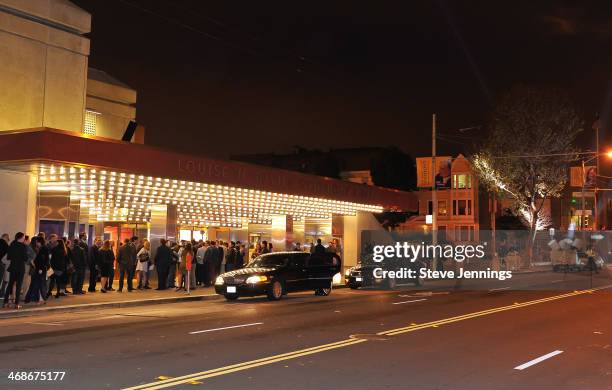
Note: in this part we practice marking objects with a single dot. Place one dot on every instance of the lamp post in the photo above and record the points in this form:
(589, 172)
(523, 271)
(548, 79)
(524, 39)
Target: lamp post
(434, 195)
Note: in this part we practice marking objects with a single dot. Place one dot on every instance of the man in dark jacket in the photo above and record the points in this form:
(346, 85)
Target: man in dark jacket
(79, 261)
(162, 260)
(17, 254)
(127, 263)
(210, 261)
(93, 265)
(4, 245)
(319, 248)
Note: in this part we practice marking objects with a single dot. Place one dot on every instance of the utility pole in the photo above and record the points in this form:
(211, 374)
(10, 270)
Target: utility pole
(596, 209)
(583, 212)
(434, 195)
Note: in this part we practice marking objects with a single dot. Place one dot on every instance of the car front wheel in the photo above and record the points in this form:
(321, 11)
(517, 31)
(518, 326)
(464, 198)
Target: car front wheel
(276, 291)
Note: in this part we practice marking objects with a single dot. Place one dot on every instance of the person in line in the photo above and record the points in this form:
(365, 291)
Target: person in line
(94, 265)
(17, 254)
(241, 255)
(184, 266)
(210, 258)
(85, 248)
(219, 266)
(172, 270)
(107, 258)
(69, 266)
(182, 274)
(4, 263)
(150, 264)
(59, 255)
(257, 251)
(270, 247)
(200, 266)
(29, 268)
(127, 263)
(264, 247)
(38, 291)
(297, 247)
(162, 261)
(192, 267)
(79, 261)
(142, 267)
(319, 248)
(230, 257)
(111, 276)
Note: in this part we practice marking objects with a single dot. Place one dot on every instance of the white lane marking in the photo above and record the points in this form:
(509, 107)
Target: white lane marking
(414, 300)
(499, 289)
(538, 360)
(44, 323)
(227, 327)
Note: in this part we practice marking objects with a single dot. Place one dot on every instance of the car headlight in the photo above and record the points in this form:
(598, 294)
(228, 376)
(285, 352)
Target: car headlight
(256, 279)
(347, 272)
(219, 281)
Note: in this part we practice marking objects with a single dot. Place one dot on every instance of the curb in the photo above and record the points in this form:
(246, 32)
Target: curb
(103, 305)
(109, 305)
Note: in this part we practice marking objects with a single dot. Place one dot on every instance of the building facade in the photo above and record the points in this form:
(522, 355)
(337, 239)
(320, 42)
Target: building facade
(66, 167)
(458, 197)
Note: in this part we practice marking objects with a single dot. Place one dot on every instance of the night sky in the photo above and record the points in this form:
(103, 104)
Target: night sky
(233, 77)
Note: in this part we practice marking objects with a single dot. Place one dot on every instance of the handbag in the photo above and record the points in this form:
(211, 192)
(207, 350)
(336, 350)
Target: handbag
(143, 257)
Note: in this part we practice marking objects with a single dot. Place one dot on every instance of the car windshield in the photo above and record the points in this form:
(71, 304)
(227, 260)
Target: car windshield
(268, 261)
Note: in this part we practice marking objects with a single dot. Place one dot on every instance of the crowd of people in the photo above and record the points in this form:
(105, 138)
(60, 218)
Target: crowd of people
(32, 268)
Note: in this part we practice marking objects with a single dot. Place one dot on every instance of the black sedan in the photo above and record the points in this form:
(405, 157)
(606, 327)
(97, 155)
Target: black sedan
(276, 274)
(362, 275)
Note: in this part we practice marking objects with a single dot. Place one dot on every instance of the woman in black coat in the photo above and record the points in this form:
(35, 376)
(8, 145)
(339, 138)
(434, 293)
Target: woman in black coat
(37, 291)
(107, 259)
(59, 262)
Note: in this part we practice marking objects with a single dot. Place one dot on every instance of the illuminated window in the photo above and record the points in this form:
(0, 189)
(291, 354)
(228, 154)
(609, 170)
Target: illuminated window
(462, 181)
(442, 207)
(89, 127)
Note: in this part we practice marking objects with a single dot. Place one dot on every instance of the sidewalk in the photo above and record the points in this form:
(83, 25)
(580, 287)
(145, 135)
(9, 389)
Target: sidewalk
(111, 299)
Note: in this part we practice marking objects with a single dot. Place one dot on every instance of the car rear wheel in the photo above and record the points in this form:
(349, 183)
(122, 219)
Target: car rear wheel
(231, 297)
(324, 291)
(276, 291)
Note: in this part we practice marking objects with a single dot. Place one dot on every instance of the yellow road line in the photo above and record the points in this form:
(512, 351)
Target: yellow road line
(287, 355)
(463, 317)
(345, 343)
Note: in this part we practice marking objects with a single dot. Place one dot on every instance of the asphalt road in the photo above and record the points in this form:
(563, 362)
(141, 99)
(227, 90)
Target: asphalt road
(435, 339)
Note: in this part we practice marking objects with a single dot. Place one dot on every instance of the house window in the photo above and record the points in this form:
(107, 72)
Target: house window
(442, 210)
(462, 181)
(462, 207)
(442, 207)
(89, 127)
(464, 233)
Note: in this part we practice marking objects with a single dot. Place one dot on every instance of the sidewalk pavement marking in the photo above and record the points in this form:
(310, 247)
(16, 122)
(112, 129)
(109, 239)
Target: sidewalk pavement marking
(226, 327)
(537, 360)
(340, 344)
(414, 300)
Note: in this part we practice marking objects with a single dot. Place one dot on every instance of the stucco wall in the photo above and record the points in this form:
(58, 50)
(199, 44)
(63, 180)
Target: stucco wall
(43, 69)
